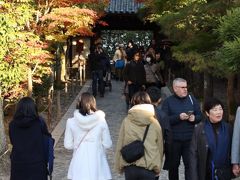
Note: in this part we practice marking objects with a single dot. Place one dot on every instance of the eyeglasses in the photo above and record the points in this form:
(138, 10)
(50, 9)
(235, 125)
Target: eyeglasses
(182, 87)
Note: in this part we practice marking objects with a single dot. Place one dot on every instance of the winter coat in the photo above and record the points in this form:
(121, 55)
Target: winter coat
(132, 128)
(150, 73)
(88, 137)
(167, 134)
(97, 61)
(134, 71)
(173, 106)
(236, 139)
(199, 152)
(27, 156)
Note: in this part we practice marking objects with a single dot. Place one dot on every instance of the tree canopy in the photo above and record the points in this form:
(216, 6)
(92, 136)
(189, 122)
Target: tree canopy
(191, 25)
(29, 27)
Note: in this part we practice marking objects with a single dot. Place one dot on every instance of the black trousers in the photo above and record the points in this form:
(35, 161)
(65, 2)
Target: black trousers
(97, 79)
(132, 89)
(178, 149)
(138, 173)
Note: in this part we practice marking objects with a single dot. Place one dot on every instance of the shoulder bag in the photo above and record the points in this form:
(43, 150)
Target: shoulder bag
(134, 150)
(119, 64)
(82, 140)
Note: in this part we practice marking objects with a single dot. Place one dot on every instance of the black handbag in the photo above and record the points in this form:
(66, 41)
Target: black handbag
(134, 150)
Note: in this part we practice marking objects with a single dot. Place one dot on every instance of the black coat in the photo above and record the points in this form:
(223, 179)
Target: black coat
(27, 156)
(199, 151)
(98, 61)
(134, 71)
(167, 134)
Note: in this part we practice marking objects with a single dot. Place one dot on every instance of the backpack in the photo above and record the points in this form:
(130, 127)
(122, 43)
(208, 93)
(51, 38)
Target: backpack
(119, 64)
(48, 145)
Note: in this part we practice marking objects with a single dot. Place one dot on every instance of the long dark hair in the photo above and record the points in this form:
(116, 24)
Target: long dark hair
(86, 103)
(26, 107)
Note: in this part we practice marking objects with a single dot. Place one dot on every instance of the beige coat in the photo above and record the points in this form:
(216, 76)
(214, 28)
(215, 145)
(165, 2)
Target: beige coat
(132, 128)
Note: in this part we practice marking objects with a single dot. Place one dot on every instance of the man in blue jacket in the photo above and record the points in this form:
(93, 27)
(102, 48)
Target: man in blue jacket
(184, 112)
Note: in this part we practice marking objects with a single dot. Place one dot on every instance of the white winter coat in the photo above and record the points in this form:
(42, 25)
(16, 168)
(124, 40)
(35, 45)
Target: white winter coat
(89, 160)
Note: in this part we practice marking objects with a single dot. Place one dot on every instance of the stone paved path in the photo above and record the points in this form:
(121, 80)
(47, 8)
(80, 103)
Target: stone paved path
(113, 105)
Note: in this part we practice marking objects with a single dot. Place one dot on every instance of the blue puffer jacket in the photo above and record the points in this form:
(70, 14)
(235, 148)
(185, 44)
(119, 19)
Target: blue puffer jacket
(173, 106)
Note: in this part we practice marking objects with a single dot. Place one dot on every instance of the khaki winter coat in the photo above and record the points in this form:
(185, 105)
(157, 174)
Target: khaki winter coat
(132, 128)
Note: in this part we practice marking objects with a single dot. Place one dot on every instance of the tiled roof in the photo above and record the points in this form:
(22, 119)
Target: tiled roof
(123, 6)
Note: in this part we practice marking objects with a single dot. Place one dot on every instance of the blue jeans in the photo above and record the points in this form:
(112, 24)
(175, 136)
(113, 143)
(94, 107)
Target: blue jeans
(97, 80)
(138, 173)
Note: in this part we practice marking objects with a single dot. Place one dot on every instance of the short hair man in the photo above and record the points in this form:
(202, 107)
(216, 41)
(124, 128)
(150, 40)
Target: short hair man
(184, 112)
(155, 95)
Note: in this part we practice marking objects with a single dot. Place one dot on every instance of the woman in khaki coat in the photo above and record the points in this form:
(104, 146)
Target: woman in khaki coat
(132, 128)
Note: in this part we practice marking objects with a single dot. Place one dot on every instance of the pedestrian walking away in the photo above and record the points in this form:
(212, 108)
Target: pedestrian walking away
(87, 134)
(133, 128)
(184, 112)
(26, 133)
(155, 95)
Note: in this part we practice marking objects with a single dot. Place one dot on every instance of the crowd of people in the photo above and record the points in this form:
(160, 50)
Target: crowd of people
(175, 128)
(132, 64)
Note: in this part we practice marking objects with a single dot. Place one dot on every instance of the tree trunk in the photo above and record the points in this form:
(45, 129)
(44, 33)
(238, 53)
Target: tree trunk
(3, 142)
(63, 67)
(58, 104)
(230, 97)
(197, 85)
(208, 85)
(50, 97)
(58, 68)
(30, 84)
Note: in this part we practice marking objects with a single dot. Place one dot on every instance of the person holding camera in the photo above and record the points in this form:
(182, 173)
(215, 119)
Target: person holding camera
(183, 111)
(140, 124)
(98, 62)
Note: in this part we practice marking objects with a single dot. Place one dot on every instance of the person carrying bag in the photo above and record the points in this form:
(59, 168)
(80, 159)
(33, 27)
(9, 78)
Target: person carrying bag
(87, 134)
(134, 150)
(140, 123)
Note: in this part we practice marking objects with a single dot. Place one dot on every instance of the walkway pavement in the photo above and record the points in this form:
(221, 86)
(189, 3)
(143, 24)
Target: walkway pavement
(113, 104)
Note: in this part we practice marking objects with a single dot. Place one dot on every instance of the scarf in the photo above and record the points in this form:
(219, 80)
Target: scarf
(218, 145)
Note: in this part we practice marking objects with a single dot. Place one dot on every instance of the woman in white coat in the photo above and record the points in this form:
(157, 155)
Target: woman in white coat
(87, 134)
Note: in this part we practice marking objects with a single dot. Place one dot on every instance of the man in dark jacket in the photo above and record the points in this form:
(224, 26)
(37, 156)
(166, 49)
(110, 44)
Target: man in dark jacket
(155, 95)
(97, 62)
(184, 112)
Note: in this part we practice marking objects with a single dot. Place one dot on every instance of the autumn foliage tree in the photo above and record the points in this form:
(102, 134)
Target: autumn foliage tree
(27, 30)
(21, 50)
